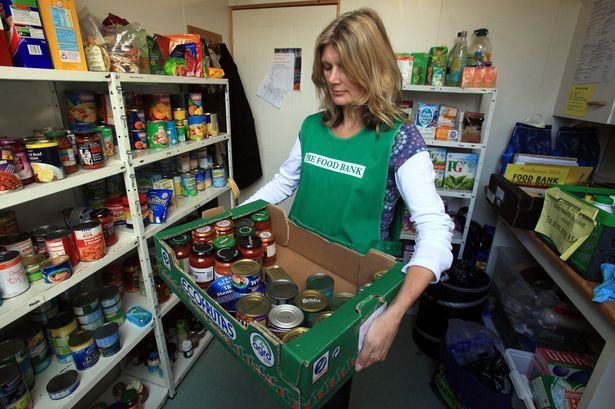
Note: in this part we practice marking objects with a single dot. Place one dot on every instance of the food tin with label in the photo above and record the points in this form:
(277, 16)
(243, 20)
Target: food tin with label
(14, 393)
(138, 139)
(171, 132)
(340, 299)
(32, 266)
(196, 127)
(20, 157)
(14, 351)
(83, 348)
(109, 296)
(108, 339)
(60, 328)
(45, 312)
(91, 150)
(321, 282)
(207, 122)
(199, 177)
(312, 303)
(252, 308)
(56, 269)
(281, 292)
(274, 273)
(9, 174)
(189, 185)
(135, 119)
(44, 155)
(157, 136)
(38, 236)
(245, 276)
(90, 241)
(283, 318)
(8, 222)
(86, 303)
(158, 107)
(218, 175)
(63, 384)
(293, 334)
(179, 113)
(194, 102)
(61, 242)
(13, 279)
(36, 342)
(21, 242)
(81, 108)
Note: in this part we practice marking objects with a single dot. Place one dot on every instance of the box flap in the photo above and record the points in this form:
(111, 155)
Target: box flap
(212, 212)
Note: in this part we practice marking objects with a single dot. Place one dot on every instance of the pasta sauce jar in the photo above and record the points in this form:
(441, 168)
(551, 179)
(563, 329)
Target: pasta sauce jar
(224, 227)
(181, 247)
(262, 221)
(224, 258)
(251, 247)
(91, 153)
(67, 155)
(203, 234)
(202, 262)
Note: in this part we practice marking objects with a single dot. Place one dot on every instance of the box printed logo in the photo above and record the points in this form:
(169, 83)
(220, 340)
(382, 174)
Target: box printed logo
(262, 350)
(213, 314)
(320, 367)
(166, 259)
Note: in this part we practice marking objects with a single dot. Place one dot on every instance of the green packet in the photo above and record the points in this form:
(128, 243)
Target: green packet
(419, 68)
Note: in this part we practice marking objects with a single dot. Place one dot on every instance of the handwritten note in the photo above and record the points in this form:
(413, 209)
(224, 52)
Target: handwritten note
(578, 97)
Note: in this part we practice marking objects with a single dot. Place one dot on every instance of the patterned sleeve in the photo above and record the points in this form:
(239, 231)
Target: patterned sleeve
(408, 142)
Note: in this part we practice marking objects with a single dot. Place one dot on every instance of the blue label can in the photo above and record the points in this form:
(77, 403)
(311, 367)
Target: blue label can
(108, 339)
(218, 175)
(138, 140)
(83, 349)
(172, 132)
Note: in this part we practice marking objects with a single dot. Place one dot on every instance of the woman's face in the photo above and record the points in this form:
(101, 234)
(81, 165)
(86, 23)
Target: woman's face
(342, 88)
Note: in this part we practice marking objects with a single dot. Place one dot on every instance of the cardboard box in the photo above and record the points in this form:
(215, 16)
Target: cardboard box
(566, 365)
(519, 208)
(460, 171)
(438, 159)
(308, 371)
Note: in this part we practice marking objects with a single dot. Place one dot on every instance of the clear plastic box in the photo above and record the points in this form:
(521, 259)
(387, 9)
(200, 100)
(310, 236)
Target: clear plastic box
(519, 364)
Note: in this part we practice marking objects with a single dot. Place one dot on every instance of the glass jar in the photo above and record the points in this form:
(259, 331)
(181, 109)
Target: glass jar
(114, 276)
(224, 258)
(269, 248)
(132, 274)
(91, 153)
(153, 362)
(251, 247)
(262, 221)
(105, 218)
(202, 262)
(162, 290)
(116, 208)
(130, 399)
(225, 242)
(144, 210)
(181, 328)
(67, 154)
(181, 246)
(224, 227)
(245, 231)
(22, 162)
(187, 348)
(203, 234)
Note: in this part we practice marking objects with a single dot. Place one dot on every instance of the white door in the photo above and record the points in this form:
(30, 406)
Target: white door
(255, 35)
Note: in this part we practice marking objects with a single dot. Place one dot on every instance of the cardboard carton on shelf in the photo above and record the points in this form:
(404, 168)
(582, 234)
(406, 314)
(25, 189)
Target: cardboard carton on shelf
(520, 208)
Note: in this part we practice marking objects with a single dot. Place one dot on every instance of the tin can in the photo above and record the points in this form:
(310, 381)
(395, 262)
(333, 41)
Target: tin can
(106, 132)
(321, 316)
(14, 351)
(109, 296)
(281, 292)
(60, 328)
(218, 175)
(179, 114)
(138, 140)
(205, 160)
(177, 185)
(63, 384)
(196, 128)
(95, 317)
(21, 242)
(183, 163)
(245, 275)
(283, 318)
(13, 279)
(171, 132)
(321, 282)
(293, 334)
(8, 222)
(157, 136)
(312, 303)
(189, 185)
(340, 299)
(81, 108)
(9, 174)
(86, 303)
(194, 102)
(60, 243)
(44, 155)
(56, 269)
(180, 130)
(36, 344)
(14, 393)
(275, 273)
(108, 339)
(83, 348)
(20, 158)
(252, 308)
(45, 312)
(158, 107)
(207, 122)
(32, 266)
(199, 177)
(38, 236)
(90, 241)
(135, 119)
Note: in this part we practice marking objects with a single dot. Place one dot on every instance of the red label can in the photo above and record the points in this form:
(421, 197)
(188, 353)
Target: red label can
(105, 217)
(90, 241)
(61, 242)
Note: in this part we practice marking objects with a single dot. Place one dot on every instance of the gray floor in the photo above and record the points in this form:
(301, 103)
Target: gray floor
(402, 381)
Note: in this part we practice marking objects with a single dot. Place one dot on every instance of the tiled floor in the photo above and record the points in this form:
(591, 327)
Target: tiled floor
(402, 381)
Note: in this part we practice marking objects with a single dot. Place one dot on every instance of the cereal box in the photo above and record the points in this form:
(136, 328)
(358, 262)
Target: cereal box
(438, 158)
(460, 171)
(63, 33)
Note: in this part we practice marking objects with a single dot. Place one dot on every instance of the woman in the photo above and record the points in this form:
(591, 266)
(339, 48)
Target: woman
(353, 161)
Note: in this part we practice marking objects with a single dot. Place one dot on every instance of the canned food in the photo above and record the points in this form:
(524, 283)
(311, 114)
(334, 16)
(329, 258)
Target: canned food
(44, 155)
(213, 125)
(8, 222)
(321, 282)
(340, 299)
(171, 132)
(36, 343)
(177, 185)
(63, 384)
(281, 292)
(14, 351)
(81, 108)
(379, 274)
(13, 279)
(180, 130)
(83, 349)
(13, 391)
(283, 318)
(252, 308)
(194, 101)
(312, 303)
(158, 107)
(321, 316)
(189, 185)
(157, 136)
(275, 273)
(293, 334)
(21, 242)
(45, 312)
(9, 174)
(20, 158)
(56, 269)
(76, 215)
(218, 175)
(91, 321)
(199, 177)
(108, 339)
(32, 266)
(86, 303)
(179, 114)
(60, 243)
(208, 180)
(135, 119)
(245, 275)
(106, 133)
(207, 123)
(196, 127)
(138, 139)
(90, 241)
(60, 328)
(109, 296)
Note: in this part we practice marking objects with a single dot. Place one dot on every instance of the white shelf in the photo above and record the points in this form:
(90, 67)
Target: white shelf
(406, 235)
(184, 206)
(168, 306)
(155, 400)
(167, 79)
(130, 336)
(454, 144)
(38, 74)
(464, 194)
(147, 156)
(450, 90)
(81, 177)
(40, 292)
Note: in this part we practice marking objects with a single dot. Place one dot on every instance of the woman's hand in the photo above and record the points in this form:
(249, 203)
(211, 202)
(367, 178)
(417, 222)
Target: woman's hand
(378, 340)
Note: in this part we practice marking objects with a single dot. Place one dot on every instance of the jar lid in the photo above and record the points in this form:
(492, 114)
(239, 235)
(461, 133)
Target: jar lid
(99, 213)
(250, 242)
(55, 134)
(244, 221)
(180, 240)
(481, 32)
(186, 345)
(245, 231)
(227, 254)
(86, 134)
(604, 200)
(202, 249)
(224, 242)
(260, 216)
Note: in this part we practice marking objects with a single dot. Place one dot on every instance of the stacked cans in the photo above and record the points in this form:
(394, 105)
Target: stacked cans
(13, 390)
(88, 311)
(36, 343)
(14, 351)
(135, 119)
(60, 328)
(110, 300)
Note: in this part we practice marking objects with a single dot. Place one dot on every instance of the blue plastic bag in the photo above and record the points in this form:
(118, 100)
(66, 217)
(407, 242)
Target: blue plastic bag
(606, 290)
(580, 143)
(527, 139)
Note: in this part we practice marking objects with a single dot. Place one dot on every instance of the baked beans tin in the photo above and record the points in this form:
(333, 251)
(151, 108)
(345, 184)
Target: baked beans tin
(321, 282)
(245, 275)
(14, 351)
(63, 384)
(60, 328)
(157, 136)
(322, 316)
(138, 139)
(312, 303)
(218, 175)
(36, 343)
(283, 318)
(81, 108)
(293, 334)
(194, 102)
(252, 308)
(56, 269)
(281, 292)
(158, 107)
(60, 243)
(13, 391)
(13, 279)
(32, 266)
(83, 349)
(135, 119)
(21, 242)
(8, 222)
(90, 241)
(44, 155)
(274, 273)
(340, 299)
(108, 339)
(86, 303)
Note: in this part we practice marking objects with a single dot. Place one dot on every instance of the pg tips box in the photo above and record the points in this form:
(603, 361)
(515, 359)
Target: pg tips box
(306, 372)
(438, 158)
(460, 171)
(566, 365)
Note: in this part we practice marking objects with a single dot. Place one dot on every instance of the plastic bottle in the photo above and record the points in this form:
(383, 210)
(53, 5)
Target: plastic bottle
(479, 54)
(604, 202)
(457, 60)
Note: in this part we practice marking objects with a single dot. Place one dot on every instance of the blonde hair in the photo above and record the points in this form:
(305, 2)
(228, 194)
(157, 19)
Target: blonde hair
(368, 59)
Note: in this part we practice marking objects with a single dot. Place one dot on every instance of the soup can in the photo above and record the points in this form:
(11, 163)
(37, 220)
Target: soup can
(32, 266)
(245, 275)
(281, 292)
(109, 296)
(218, 175)
(194, 102)
(90, 241)
(56, 269)
(321, 282)
(196, 127)
(44, 155)
(135, 119)
(83, 349)
(21, 242)
(158, 107)
(81, 108)
(14, 351)
(189, 185)
(60, 328)
(157, 136)
(45, 312)
(8, 222)
(312, 303)
(252, 308)
(13, 279)
(199, 177)
(60, 243)
(86, 303)
(284, 318)
(36, 343)
(172, 132)
(138, 139)
(14, 393)
(108, 339)
(63, 384)
(180, 130)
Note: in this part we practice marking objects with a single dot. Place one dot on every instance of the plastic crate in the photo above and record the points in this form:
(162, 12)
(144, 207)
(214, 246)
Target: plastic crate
(519, 364)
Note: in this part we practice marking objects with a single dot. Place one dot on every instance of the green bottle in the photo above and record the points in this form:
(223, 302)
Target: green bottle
(457, 61)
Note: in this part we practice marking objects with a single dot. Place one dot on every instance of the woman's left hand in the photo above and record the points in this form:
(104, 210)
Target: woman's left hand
(378, 340)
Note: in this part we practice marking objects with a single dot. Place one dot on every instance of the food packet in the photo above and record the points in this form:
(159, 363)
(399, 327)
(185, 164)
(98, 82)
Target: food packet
(156, 62)
(168, 43)
(182, 61)
(158, 202)
(96, 54)
(126, 44)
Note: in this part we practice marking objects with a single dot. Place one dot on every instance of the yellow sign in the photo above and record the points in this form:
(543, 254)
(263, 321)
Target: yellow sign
(545, 175)
(566, 220)
(578, 97)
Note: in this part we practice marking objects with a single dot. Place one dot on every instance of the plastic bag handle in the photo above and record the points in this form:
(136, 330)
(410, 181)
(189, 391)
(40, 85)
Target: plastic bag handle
(536, 120)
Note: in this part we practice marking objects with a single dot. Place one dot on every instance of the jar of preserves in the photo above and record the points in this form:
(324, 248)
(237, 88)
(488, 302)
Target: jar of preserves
(224, 258)
(202, 262)
(162, 290)
(269, 248)
(20, 157)
(69, 161)
(245, 231)
(225, 242)
(203, 234)
(181, 247)
(262, 221)
(224, 227)
(132, 274)
(105, 218)
(91, 149)
(251, 247)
